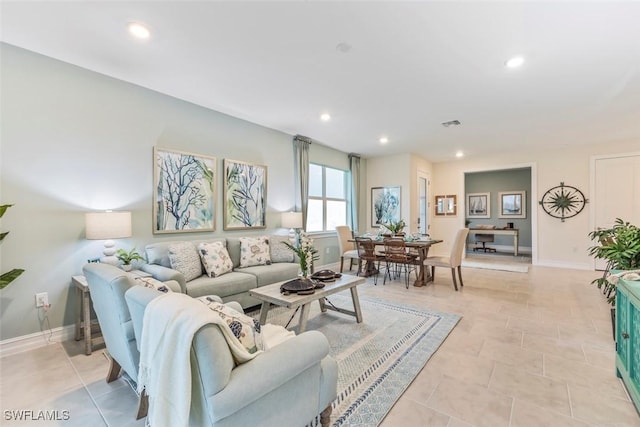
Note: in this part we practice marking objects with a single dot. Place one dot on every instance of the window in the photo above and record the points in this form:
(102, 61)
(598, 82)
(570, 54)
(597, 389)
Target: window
(327, 198)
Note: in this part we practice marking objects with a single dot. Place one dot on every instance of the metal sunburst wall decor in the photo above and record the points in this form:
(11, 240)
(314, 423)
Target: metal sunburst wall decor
(563, 201)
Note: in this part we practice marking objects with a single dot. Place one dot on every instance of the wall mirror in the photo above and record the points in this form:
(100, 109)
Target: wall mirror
(446, 205)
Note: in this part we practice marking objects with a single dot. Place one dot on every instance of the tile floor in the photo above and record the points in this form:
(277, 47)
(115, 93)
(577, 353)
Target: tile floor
(532, 349)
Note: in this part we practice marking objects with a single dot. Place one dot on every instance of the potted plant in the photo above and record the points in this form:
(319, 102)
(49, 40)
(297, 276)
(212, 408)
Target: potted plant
(396, 227)
(10, 276)
(128, 257)
(620, 247)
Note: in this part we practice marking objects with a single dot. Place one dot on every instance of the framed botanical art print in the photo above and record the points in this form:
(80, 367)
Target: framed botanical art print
(183, 191)
(385, 205)
(479, 205)
(245, 195)
(513, 204)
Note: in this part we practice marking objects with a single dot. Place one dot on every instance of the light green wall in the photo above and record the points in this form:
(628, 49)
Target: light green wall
(74, 141)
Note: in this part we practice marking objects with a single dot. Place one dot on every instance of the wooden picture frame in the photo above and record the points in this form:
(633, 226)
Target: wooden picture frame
(183, 191)
(513, 204)
(479, 205)
(245, 195)
(446, 205)
(385, 205)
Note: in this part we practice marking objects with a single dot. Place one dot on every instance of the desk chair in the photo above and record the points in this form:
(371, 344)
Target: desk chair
(484, 239)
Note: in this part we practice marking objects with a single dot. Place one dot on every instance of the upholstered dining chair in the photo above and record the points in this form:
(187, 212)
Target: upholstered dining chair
(347, 248)
(397, 258)
(453, 261)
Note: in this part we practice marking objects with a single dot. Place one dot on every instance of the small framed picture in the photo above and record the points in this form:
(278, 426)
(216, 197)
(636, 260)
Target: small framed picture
(446, 205)
(479, 205)
(513, 204)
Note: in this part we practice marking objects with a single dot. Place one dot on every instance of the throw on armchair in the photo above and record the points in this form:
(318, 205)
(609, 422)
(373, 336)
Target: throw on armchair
(287, 385)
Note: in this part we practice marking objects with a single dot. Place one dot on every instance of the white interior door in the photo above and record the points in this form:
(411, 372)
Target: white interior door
(617, 192)
(423, 203)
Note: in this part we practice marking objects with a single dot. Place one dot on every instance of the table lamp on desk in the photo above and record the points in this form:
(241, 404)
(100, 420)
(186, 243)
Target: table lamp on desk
(107, 226)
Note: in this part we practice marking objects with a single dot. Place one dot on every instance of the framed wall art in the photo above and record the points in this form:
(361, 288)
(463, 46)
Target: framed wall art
(245, 195)
(183, 191)
(513, 204)
(446, 205)
(385, 205)
(479, 205)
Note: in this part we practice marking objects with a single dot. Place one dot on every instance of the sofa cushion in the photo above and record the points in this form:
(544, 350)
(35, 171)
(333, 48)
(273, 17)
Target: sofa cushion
(278, 250)
(185, 259)
(268, 274)
(215, 258)
(158, 253)
(226, 285)
(254, 251)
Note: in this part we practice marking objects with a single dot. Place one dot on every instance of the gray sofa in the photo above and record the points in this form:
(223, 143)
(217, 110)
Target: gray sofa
(232, 286)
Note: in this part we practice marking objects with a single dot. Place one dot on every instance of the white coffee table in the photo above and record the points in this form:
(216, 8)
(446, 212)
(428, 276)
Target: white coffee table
(270, 295)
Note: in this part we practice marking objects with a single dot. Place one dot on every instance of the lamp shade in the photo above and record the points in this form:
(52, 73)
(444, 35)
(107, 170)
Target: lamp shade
(292, 219)
(108, 225)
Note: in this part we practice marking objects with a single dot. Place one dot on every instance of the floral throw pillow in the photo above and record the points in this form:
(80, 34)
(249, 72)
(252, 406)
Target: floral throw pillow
(215, 258)
(254, 251)
(150, 282)
(246, 329)
(184, 258)
(278, 251)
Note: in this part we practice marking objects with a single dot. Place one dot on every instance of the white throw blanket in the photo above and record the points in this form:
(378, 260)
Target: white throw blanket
(170, 323)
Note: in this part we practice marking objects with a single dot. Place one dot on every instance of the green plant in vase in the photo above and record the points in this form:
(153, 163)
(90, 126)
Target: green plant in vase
(305, 252)
(128, 257)
(396, 227)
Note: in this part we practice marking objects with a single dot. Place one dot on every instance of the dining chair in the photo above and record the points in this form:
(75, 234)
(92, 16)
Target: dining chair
(397, 258)
(347, 248)
(453, 261)
(368, 258)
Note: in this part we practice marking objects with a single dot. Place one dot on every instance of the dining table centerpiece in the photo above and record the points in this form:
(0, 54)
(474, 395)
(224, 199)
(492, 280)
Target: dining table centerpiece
(396, 227)
(303, 248)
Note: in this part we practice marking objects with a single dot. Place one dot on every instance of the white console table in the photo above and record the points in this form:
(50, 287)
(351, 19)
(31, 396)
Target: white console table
(499, 232)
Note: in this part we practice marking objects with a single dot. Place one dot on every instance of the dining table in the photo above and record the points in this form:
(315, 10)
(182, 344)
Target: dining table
(420, 245)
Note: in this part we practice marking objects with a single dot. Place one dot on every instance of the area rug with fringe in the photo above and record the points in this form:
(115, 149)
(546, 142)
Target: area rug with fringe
(378, 358)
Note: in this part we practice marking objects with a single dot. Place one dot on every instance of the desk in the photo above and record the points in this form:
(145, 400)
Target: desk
(499, 232)
(422, 247)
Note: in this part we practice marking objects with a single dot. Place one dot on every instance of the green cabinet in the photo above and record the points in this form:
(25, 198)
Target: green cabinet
(628, 337)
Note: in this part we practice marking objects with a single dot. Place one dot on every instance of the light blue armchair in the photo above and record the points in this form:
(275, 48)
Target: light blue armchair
(288, 385)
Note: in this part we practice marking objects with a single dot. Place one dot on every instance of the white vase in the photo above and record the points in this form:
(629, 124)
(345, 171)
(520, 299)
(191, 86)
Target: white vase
(126, 267)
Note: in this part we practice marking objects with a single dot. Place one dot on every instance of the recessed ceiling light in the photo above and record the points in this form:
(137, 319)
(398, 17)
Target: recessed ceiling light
(514, 62)
(138, 30)
(384, 140)
(325, 117)
(459, 154)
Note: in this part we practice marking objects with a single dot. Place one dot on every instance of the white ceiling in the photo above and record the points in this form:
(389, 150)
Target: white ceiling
(411, 66)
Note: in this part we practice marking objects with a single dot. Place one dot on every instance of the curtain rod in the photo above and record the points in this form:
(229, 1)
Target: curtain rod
(302, 138)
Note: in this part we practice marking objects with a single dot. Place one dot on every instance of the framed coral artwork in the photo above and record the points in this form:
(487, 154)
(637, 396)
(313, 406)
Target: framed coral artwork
(183, 191)
(245, 195)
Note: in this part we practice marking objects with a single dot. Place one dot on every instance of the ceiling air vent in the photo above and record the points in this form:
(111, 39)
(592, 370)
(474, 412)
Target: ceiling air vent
(451, 123)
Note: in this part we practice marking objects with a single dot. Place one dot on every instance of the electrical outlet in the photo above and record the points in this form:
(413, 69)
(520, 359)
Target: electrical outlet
(42, 299)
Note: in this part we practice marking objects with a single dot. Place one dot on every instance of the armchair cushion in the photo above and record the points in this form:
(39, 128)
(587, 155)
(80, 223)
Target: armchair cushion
(245, 328)
(185, 259)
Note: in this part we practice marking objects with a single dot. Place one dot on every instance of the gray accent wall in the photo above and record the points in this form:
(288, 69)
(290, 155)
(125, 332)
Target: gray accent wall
(495, 182)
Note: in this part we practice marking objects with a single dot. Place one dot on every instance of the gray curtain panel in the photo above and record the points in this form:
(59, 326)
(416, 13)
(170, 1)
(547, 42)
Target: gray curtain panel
(301, 172)
(354, 168)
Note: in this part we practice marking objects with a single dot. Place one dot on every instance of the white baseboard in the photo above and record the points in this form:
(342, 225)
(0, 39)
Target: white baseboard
(36, 340)
(568, 265)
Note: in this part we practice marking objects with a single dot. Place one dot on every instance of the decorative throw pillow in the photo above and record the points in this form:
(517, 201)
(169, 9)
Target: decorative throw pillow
(278, 251)
(215, 258)
(150, 282)
(184, 258)
(246, 329)
(254, 251)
